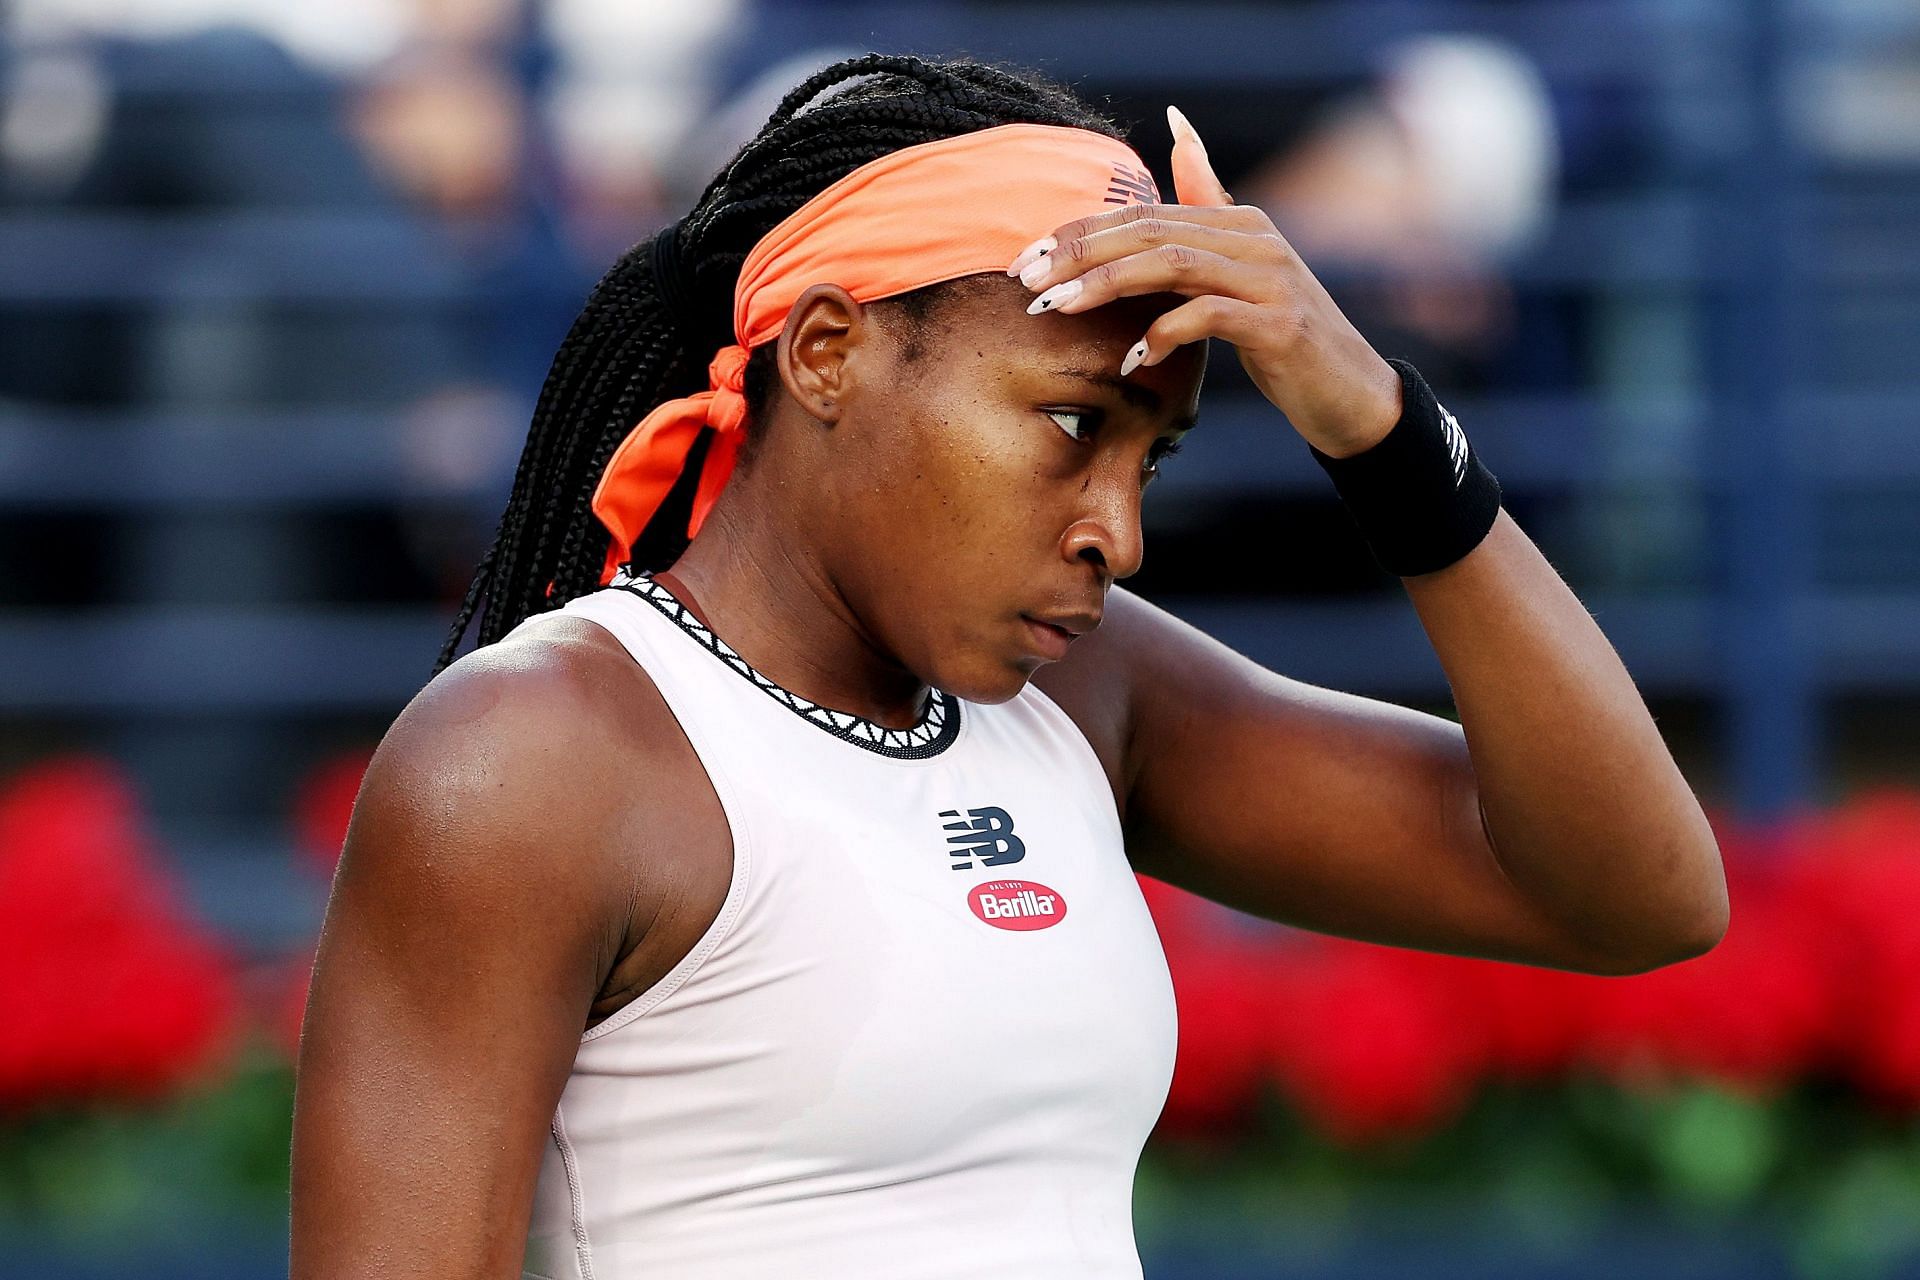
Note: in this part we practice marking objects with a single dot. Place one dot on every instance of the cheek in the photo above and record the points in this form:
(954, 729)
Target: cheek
(982, 477)
(959, 474)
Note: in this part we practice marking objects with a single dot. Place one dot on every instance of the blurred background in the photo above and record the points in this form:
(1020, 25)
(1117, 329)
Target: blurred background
(278, 284)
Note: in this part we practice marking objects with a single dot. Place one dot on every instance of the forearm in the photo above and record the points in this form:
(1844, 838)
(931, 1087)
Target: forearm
(1586, 810)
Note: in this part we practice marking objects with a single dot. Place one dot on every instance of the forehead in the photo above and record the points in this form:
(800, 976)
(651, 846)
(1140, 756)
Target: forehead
(989, 320)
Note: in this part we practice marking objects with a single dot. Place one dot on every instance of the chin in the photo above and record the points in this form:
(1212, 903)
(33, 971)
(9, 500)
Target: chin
(989, 683)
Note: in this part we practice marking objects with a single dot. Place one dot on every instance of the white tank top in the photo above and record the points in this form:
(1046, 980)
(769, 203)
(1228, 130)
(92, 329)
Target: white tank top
(928, 1032)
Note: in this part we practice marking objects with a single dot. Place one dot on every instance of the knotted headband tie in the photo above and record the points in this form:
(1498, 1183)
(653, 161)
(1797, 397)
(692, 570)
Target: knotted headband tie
(914, 217)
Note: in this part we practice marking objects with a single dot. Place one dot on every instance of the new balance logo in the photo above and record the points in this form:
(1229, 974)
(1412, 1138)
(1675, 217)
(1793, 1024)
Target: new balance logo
(1131, 186)
(986, 834)
(1456, 444)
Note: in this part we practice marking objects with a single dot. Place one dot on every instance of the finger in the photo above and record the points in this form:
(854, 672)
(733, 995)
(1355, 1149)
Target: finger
(1080, 254)
(1173, 267)
(1208, 316)
(1194, 181)
(1233, 217)
(1170, 268)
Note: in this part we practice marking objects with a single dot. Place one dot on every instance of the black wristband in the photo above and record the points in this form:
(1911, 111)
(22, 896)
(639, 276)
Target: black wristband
(1421, 497)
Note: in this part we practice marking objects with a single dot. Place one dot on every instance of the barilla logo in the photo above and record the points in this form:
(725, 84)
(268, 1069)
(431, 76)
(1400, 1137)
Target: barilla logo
(1017, 904)
(1131, 186)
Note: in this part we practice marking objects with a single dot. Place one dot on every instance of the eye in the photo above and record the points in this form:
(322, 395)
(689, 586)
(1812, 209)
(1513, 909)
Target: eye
(1072, 432)
(1154, 460)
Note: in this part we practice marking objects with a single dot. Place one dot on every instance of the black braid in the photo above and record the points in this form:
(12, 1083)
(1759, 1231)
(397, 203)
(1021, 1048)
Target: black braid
(627, 352)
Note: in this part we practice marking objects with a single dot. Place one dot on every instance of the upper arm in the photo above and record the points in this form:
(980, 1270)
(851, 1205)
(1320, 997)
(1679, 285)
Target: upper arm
(1322, 809)
(472, 919)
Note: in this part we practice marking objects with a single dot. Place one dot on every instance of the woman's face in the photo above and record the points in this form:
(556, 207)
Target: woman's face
(996, 478)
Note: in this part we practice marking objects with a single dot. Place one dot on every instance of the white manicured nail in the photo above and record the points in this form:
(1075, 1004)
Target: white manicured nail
(1134, 357)
(1036, 271)
(1178, 123)
(1065, 291)
(1046, 244)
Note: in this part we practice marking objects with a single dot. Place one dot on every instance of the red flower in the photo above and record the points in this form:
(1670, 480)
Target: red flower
(1754, 1013)
(1533, 1022)
(1819, 974)
(1369, 1043)
(1219, 1068)
(1857, 884)
(106, 987)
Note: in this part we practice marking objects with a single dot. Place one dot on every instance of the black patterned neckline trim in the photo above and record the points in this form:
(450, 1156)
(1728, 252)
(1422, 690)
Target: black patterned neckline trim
(934, 732)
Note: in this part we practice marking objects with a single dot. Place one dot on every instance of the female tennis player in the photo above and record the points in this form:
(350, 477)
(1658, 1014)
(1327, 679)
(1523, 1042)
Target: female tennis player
(758, 899)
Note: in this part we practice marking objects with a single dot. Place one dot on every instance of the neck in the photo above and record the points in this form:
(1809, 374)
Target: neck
(752, 579)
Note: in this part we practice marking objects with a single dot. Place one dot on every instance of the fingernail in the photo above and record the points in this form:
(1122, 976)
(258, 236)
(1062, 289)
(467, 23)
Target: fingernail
(1134, 357)
(1177, 122)
(1065, 291)
(1034, 272)
(1046, 244)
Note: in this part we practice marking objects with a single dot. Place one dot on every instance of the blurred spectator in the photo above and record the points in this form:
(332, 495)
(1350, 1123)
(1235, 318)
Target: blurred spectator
(339, 38)
(1429, 182)
(283, 271)
(447, 128)
(630, 81)
(712, 140)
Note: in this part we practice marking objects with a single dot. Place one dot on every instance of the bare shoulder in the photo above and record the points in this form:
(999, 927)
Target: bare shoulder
(543, 724)
(496, 871)
(567, 670)
(549, 775)
(507, 770)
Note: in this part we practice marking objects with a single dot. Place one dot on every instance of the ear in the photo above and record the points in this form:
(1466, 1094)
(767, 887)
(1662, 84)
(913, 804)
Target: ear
(816, 350)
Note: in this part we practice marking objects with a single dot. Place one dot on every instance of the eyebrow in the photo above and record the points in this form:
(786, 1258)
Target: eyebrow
(1144, 398)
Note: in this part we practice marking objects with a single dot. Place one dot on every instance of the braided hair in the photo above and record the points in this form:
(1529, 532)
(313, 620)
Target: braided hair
(652, 324)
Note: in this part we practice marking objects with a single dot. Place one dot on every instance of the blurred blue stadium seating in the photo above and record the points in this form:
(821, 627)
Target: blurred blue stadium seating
(1774, 442)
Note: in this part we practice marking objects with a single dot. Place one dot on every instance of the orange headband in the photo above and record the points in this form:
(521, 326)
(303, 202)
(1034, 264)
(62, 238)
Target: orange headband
(914, 217)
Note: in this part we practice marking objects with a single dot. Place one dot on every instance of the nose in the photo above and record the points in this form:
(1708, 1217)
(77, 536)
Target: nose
(1106, 532)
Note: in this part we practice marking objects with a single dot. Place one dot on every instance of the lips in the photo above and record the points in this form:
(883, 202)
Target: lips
(1073, 624)
(1049, 641)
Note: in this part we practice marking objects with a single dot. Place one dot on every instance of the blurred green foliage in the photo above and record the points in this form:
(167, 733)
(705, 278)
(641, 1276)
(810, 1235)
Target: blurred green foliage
(1549, 1169)
(144, 1170)
(1831, 1185)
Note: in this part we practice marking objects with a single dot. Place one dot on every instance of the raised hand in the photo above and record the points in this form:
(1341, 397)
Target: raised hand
(1245, 284)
